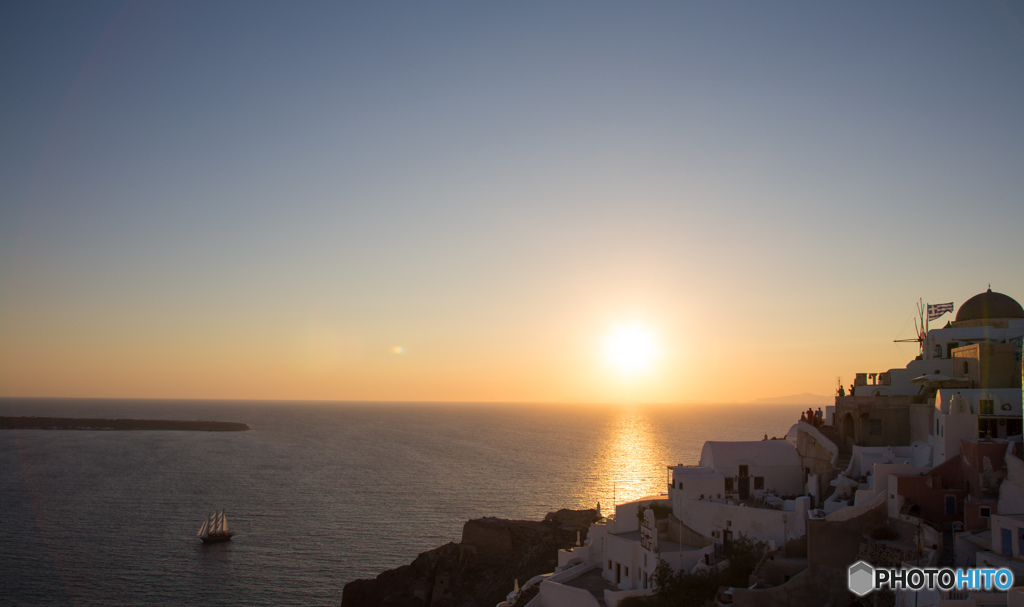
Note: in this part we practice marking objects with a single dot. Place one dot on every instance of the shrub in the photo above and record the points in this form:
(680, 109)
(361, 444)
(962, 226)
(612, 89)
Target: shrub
(696, 589)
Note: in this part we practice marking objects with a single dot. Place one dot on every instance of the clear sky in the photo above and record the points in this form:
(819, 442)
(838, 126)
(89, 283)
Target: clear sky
(465, 201)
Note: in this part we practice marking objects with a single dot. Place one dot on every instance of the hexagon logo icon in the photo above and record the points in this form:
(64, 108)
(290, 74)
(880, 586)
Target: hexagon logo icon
(860, 578)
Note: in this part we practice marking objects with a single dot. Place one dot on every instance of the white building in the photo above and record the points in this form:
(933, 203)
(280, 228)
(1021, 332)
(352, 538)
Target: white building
(751, 468)
(739, 488)
(987, 317)
(961, 414)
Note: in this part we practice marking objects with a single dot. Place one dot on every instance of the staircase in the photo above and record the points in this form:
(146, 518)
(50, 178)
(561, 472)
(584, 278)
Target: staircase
(948, 549)
(845, 453)
(843, 461)
(830, 433)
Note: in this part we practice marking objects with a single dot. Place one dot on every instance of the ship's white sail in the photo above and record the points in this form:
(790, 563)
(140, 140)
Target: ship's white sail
(215, 528)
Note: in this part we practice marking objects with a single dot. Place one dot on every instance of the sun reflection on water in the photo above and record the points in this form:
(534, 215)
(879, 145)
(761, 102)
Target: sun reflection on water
(631, 462)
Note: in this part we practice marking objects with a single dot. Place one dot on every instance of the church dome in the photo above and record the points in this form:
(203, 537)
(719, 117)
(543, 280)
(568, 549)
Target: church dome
(989, 305)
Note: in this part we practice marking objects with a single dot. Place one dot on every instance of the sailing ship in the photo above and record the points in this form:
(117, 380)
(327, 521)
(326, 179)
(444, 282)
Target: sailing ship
(215, 529)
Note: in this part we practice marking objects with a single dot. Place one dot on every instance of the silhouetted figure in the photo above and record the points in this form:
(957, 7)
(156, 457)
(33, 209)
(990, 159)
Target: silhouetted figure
(842, 391)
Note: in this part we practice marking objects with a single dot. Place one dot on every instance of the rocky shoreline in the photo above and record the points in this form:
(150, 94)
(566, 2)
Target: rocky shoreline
(82, 423)
(480, 569)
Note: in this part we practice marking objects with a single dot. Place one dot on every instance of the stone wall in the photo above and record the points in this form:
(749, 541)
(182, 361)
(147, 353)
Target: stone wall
(989, 365)
(883, 554)
(833, 546)
(903, 420)
(817, 456)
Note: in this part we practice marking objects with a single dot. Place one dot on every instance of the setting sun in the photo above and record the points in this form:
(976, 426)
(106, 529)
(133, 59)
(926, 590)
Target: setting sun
(631, 350)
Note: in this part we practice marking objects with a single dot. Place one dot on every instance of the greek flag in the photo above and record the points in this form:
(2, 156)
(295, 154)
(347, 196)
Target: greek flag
(937, 310)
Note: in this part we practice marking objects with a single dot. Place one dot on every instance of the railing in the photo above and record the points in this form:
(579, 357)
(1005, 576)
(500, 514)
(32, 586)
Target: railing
(571, 573)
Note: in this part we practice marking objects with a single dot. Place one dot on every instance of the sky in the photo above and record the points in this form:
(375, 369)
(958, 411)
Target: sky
(466, 201)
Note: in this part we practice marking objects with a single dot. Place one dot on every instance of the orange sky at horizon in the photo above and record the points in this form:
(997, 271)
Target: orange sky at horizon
(320, 362)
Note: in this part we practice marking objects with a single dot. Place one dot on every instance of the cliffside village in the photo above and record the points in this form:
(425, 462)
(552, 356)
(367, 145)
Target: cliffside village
(914, 467)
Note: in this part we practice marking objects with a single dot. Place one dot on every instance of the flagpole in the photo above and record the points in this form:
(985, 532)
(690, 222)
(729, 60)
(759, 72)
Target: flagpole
(925, 325)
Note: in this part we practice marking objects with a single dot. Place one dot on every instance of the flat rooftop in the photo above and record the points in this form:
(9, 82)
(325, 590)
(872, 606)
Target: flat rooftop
(663, 545)
(593, 583)
(981, 539)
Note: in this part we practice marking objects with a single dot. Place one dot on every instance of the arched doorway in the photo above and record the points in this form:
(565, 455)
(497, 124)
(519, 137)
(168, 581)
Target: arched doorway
(847, 429)
(865, 428)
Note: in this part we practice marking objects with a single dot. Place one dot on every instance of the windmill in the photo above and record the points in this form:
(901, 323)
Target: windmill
(919, 328)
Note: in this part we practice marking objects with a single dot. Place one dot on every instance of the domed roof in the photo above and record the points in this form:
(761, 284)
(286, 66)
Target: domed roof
(989, 305)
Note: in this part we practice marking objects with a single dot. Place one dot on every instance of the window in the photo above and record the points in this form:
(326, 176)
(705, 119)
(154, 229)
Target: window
(680, 485)
(744, 471)
(987, 407)
(758, 482)
(876, 427)
(609, 565)
(626, 571)
(965, 367)
(986, 512)
(728, 485)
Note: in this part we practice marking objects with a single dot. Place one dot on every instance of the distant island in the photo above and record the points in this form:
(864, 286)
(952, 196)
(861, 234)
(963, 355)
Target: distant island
(81, 423)
(796, 399)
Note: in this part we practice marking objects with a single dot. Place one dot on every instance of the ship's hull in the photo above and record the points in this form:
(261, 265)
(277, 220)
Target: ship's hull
(219, 537)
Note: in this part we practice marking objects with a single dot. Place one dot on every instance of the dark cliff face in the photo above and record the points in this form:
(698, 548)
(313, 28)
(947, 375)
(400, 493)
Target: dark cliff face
(479, 570)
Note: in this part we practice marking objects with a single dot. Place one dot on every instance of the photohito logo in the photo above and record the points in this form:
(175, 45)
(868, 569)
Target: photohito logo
(863, 578)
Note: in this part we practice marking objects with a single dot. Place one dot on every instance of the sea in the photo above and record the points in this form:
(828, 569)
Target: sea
(317, 493)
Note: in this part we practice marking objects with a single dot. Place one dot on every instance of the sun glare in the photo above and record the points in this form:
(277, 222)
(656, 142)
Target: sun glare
(631, 350)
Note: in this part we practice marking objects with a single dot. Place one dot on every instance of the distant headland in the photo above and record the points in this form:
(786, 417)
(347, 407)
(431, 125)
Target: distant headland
(82, 423)
(796, 399)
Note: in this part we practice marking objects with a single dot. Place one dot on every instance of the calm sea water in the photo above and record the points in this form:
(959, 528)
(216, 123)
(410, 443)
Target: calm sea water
(318, 494)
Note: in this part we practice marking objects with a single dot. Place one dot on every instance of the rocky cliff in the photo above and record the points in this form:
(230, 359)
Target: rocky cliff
(477, 571)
